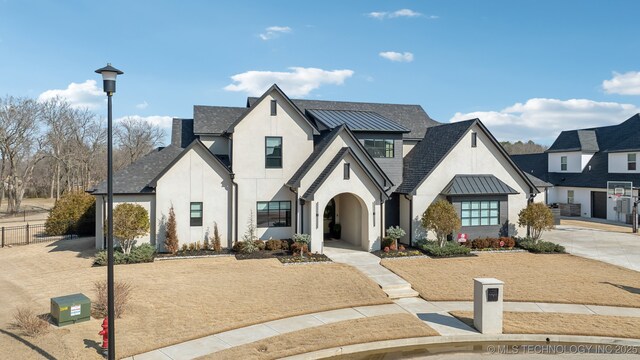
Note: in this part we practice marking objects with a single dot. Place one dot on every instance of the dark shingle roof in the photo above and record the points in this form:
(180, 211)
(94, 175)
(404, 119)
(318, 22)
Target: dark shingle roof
(215, 119)
(413, 117)
(477, 185)
(575, 140)
(539, 183)
(428, 153)
(356, 120)
(136, 177)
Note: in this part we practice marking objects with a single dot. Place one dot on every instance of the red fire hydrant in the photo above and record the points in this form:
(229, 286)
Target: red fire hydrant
(105, 336)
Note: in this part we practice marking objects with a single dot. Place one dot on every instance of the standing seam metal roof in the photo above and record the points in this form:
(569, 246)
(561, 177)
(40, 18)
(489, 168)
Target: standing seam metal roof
(356, 120)
(477, 185)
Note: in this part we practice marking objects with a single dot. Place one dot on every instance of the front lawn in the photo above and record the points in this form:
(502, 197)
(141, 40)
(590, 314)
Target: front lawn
(172, 301)
(559, 278)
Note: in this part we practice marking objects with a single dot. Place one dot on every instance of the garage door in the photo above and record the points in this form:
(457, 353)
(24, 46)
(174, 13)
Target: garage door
(599, 204)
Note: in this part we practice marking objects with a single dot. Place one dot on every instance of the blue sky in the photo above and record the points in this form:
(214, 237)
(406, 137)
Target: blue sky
(527, 69)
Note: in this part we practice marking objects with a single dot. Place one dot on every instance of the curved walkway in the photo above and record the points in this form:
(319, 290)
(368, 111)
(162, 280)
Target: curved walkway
(434, 314)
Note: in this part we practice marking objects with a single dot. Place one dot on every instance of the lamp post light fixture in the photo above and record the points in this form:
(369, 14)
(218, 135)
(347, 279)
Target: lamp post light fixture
(109, 74)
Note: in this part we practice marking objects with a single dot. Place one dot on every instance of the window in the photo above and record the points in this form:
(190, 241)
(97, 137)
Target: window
(274, 107)
(480, 213)
(273, 152)
(631, 161)
(274, 213)
(474, 139)
(379, 148)
(347, 171)
(563, 163)
(196, 214)
(569, 196)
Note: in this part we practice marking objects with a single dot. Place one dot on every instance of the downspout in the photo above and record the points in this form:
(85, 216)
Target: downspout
(295, 225)
(235, 206)
(410, 219)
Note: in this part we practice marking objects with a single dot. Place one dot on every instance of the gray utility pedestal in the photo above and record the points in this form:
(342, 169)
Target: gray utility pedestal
(70, 309)
(487, 305)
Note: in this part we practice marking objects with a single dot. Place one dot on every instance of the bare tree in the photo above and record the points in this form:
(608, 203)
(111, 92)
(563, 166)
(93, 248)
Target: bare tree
(136, 137)
(20, 145)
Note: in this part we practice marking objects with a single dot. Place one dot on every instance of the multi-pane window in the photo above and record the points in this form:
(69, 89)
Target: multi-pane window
(563, 163)
(196, 214)
(480, 213)
(570, 195)
(379, 148)
(274, 213)
(631, 161)
(273, 152)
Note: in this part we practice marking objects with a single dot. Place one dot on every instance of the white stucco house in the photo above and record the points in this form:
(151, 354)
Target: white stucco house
(581, 163)
(302, 166)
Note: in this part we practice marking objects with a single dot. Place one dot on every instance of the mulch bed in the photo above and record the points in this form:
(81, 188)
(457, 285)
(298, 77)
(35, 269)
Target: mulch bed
(409, 251)
(284, 256)
(194, 253)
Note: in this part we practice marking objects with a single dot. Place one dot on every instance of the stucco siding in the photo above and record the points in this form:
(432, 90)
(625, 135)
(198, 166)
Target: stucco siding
(218, 145)
(147, 201)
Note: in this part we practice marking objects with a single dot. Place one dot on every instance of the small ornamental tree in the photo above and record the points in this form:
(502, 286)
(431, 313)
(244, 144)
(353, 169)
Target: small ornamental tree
(537, 217)
(130, 221)
(171, 235)
(217, 246)
(395, 233)
(441, 218)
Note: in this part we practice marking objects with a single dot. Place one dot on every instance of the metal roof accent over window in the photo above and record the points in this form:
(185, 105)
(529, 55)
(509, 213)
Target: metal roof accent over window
(477, 185)
(356, 120)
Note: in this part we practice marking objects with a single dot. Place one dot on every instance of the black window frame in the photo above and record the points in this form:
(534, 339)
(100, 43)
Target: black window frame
(564, 166)
(282, 214)
(195, 221)
(272, 157)
(474, 139)
(380, 148)
(274, 107)
(632, 165)
(347, 171)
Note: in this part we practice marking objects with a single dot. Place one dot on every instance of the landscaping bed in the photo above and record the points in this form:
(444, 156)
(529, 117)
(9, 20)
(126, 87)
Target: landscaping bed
(449, 250)
(193, 253)
(286, 251)
(407, 251)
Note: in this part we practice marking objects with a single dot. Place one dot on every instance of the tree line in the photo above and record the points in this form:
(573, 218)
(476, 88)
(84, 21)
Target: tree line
(51, 147)
(519, 147)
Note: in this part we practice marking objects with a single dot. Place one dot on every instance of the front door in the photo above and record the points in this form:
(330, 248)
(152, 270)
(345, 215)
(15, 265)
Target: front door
(599, 204)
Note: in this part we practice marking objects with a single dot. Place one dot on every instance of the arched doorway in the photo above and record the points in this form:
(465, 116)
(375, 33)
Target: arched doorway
(345, 219)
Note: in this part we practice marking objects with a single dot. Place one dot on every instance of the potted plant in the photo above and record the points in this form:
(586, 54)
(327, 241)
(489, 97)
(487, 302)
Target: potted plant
(337, 231)
(303, 240)
(395, 233)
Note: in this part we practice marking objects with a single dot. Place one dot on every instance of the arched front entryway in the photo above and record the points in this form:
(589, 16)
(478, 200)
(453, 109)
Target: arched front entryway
(346, 219)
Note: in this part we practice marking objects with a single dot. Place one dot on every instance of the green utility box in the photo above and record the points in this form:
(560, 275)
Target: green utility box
(70, 309)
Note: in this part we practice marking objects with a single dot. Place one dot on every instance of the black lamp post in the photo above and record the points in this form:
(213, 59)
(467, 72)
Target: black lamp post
(109, 74)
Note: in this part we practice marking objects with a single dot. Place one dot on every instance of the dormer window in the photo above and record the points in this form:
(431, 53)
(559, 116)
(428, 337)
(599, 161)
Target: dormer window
(563, 163)
(631, 162)
(274, 107)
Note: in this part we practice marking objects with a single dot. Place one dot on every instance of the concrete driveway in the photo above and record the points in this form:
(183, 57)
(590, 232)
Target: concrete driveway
(611, 247)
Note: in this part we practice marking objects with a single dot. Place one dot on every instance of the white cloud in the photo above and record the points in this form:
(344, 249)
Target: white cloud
(542, 119)
(299, 81)
(380, 15)
(396, 56)
(143, 105)
(274, 31)
(86, 94)
(164, 122)
(623, 84)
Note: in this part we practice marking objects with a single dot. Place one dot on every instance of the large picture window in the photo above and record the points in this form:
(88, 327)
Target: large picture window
(379, 148)
(196, 214)
(273, 152)
(274, 213)
(480, 213)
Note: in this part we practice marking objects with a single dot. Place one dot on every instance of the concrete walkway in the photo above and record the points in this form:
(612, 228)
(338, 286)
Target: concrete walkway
(607, 246)
(433, 313)
(393, 285)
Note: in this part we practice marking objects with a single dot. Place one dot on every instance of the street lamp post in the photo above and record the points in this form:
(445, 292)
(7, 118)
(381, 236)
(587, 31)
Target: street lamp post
(109, 74)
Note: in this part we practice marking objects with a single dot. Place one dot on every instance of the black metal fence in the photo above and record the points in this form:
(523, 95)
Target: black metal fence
(29, 234)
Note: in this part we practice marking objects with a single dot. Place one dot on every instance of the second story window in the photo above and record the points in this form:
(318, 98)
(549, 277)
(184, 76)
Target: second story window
(379, 148)
(631, 161)
(273, 152)
(474, 139)
(347, 171)
(274, 107)
(563, 163)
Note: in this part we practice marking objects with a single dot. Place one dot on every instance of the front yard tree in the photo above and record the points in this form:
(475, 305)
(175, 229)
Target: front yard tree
(130, 221)
(171, 236)
(537, 217)
(441, 218)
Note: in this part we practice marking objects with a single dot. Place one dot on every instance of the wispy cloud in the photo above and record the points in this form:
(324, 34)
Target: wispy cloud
(541, 119)
(143, 105)
(86, 94)
(299, 81)
(623, 84)
(380, 15)
(274, 31)
(397, 56)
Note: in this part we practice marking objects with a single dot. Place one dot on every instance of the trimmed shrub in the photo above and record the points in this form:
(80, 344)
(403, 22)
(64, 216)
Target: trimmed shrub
(540, 247)
(298, 248)
(121, 299)
(238, 246)
(139, 254)
(450, 248)
(259, 244)
(273, 244)
(508, 242)
(171, 235)
(185, 247)
(26, 320)
(74, 212)
(386, 249)
(286, 244)
(101, 258)
(387, 241)
(249, 247)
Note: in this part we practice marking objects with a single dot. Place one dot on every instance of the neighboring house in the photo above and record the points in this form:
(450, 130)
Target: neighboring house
(302, 166)
(580, 163)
